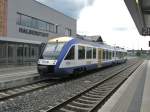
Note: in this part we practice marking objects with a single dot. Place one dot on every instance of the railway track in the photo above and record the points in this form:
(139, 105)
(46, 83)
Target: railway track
(91, 99)
(10, 93)
(6, 94)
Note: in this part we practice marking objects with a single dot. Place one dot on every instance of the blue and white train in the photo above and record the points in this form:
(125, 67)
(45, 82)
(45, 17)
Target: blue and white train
(67, 55)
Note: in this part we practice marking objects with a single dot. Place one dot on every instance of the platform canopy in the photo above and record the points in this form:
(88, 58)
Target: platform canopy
(140, 12)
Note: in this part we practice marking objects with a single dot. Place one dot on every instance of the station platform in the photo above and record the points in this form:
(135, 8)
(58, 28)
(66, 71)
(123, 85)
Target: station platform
(133, 95)
(12, 76)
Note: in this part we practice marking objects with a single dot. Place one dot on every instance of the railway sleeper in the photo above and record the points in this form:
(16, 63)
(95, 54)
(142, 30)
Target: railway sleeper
(64, 110)
(76, 108)
(85, 101)
(91, 95)
(89, 98)
(96, 93)
(81, 104)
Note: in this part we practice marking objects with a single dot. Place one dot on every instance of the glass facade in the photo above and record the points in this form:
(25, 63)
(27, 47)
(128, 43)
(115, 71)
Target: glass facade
(35, 23)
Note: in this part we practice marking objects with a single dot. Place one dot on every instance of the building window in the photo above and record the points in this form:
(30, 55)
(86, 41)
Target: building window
(94, 53)
(81, 52)
(32, 52)
(71, 54)
(47, 27)
(35, 23)
(56, 29)
(18, 19)
(52, 27)
(67, 32)
(42, 25)
(2, 51)
(88, 53)
(26, 21)
(20, 51)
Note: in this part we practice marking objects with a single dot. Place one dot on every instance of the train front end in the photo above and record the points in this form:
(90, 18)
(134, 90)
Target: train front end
(49, 60)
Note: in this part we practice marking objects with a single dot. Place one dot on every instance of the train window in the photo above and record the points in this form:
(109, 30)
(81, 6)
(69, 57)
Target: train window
(107, 55)
(104, 54)
(113, 54)
(88, 53)
(81, 52)
(117, 54)
(71, 54)
(94, 53)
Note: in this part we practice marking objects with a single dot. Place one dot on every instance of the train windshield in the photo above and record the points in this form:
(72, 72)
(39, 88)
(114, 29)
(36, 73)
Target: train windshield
(52, 50)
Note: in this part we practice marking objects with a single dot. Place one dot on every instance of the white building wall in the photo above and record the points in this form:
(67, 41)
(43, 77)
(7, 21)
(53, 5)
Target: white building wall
(35, 9)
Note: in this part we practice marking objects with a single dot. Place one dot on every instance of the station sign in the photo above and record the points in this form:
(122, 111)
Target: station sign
(33, 32)
(146, 31)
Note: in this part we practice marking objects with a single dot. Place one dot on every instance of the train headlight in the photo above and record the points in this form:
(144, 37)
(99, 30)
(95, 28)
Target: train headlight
(47, 62)
(39, 62)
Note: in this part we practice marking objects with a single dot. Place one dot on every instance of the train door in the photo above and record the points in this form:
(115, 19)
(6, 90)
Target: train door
(99, 57)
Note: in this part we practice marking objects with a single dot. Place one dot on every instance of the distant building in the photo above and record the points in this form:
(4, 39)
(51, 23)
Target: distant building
(96, 38)
(31, 20)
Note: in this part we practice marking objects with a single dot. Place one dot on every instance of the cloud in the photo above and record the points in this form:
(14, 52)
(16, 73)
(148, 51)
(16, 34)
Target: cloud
(120, 29)
(69, 7)
(111, 20)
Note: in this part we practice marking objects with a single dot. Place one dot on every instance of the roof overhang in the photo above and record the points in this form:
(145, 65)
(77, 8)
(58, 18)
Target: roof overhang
(140, 12)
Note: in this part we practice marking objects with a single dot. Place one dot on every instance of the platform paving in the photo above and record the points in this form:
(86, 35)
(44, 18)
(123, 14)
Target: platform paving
(145, 107)
(11, 76)
(133, 95)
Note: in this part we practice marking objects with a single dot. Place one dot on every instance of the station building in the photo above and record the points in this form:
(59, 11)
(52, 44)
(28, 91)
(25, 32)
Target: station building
(25, 24)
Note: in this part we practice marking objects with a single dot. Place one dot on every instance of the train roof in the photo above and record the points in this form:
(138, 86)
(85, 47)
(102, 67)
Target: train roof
(60, 39)
(96, 44)
(18, 40)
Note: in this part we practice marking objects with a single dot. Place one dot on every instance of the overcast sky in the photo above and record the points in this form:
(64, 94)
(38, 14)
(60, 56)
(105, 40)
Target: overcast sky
(108, 18)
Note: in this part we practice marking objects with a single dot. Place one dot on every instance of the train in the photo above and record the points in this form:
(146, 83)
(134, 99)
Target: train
(63, 56)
